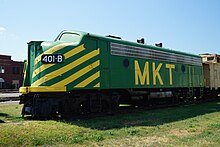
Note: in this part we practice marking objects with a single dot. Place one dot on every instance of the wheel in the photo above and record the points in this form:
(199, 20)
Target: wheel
(83, 107)
(105, 106)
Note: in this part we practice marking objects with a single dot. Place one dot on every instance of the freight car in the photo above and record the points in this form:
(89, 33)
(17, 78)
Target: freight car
(81, 73)
(211, 70)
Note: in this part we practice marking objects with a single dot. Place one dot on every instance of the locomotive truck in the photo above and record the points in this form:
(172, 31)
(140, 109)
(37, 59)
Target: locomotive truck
(82, 73)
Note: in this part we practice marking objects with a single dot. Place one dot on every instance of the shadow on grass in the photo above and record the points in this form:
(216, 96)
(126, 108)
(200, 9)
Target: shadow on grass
(147, 117)
(4, 115)
(1, 121)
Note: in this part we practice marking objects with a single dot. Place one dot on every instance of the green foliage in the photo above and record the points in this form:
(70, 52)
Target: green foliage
(97, 137)
(78, 139)
(37, 141)
(216, 125)
(195, 125)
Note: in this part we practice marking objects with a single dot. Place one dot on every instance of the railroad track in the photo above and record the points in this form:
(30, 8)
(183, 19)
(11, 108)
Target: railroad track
(9, 97)
(134, 109)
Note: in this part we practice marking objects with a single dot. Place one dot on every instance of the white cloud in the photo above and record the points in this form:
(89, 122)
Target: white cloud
(17, 49)
(2, 29)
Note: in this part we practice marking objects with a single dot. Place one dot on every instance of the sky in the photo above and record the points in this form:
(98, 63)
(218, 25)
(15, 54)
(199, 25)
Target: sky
(191, 26)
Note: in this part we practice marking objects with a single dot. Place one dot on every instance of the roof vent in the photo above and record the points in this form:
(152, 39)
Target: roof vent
(140, 40)
(159, 44)
(111, 36)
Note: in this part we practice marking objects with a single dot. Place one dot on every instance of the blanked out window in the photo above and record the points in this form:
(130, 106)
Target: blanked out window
(215, 74)
(210, 58)
(2, 69)
(16, 70)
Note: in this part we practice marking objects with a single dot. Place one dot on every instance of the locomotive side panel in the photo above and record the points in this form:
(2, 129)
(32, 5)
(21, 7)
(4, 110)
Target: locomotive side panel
(137, 67)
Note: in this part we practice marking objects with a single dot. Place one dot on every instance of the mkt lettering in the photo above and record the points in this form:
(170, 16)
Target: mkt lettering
(142, 77)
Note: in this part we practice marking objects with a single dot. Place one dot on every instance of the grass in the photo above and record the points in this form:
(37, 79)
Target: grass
(195, 125)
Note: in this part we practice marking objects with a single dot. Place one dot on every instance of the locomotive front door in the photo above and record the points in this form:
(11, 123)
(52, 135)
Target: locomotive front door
(104, 48)
(190, 79)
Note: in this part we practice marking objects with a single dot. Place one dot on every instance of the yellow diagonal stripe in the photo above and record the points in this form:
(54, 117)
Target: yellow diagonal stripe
(52, 50)
(77, 74)
(97, 85)
(66, 68)
(67, 55)
(88, 80)
(74, 51)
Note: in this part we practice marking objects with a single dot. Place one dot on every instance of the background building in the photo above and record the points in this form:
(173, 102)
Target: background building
(11, 73)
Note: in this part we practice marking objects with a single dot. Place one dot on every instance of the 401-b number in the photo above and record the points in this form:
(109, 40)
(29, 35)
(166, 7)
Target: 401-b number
(52, 58)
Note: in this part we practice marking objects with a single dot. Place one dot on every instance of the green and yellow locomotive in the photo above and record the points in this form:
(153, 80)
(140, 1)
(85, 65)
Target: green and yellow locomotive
(81, 73)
